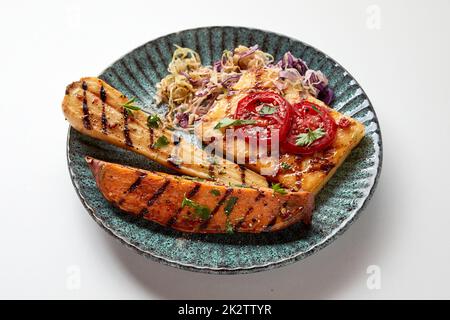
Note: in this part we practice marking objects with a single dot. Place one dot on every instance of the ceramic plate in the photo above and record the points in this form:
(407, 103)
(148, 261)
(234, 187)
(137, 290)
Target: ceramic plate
(337, 205)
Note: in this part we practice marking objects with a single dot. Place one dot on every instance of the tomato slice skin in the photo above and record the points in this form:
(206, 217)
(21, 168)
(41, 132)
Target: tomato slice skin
(249, 108)
(307, 115)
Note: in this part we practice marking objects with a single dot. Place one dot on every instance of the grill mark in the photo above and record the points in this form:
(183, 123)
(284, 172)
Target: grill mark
(126, 130)
(238, 225)
(104, 119)
(136, 183)
(189, 195)
(259, 196)
(211, 171)
(250, 210)
(152, 137)
(242, 169)
(216, 208)
(103, 94)
(86, 120)
(152, 64)
(158, 193)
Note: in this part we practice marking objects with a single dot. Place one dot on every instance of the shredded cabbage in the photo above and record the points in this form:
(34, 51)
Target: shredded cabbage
(191, 89)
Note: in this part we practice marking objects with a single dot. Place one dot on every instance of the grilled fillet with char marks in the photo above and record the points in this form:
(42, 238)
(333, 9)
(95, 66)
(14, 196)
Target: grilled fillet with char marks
(94, 108)
(210, 208)
(309, 173)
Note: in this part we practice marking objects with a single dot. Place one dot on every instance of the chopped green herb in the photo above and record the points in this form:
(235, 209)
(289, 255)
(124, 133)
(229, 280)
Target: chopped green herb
(277, 188)
(230, 205)
(229, 227)
(307, 138)
(215, 192)
(285, 166)
(267, 110)
(161, 142)
(228, 122)
(153, 121)
(316, 109)
(129, 106)
(201, 211)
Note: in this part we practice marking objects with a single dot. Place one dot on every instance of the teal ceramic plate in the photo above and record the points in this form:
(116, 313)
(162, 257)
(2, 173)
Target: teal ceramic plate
(338, 204)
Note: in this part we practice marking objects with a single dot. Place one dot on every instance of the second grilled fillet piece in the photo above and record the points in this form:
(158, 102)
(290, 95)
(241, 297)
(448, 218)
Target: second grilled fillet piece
(196, 206)
(96, 109)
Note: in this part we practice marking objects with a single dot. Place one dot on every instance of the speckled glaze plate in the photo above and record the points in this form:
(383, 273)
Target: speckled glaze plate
(337, 205)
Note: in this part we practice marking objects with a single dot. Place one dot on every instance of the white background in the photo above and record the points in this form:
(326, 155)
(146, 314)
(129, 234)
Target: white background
(46, 234)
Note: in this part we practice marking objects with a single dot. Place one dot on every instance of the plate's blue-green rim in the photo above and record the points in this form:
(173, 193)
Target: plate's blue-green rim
(255, 268)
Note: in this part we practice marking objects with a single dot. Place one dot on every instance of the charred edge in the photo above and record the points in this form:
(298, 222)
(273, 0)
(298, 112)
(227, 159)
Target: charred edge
(270, 225)
(86, 120)
(136, 183)
(143, 213)
(242, 169)
(158, 193)
(189, 195)
(126, 130)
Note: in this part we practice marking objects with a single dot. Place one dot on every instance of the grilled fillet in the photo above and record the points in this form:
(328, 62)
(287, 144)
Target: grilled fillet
(201, 207)
(309, 173)
(96, 109)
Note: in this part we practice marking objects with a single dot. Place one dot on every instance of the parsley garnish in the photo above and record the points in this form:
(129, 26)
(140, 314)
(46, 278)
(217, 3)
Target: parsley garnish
(230, 205)
(267, 110)
(316, 109)
(161, 142)
(229, 227)
(285, 166)
(228, 122)
(307, 138)
(201, 211)
(129, 106)
(153, 121)
(277, 188)
(215, 192)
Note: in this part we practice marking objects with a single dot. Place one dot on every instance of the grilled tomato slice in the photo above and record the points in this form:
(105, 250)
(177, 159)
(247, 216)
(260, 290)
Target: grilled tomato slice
(269, 111)
(312, 129)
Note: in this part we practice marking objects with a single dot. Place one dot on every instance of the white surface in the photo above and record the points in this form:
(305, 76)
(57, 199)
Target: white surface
(46, 235)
